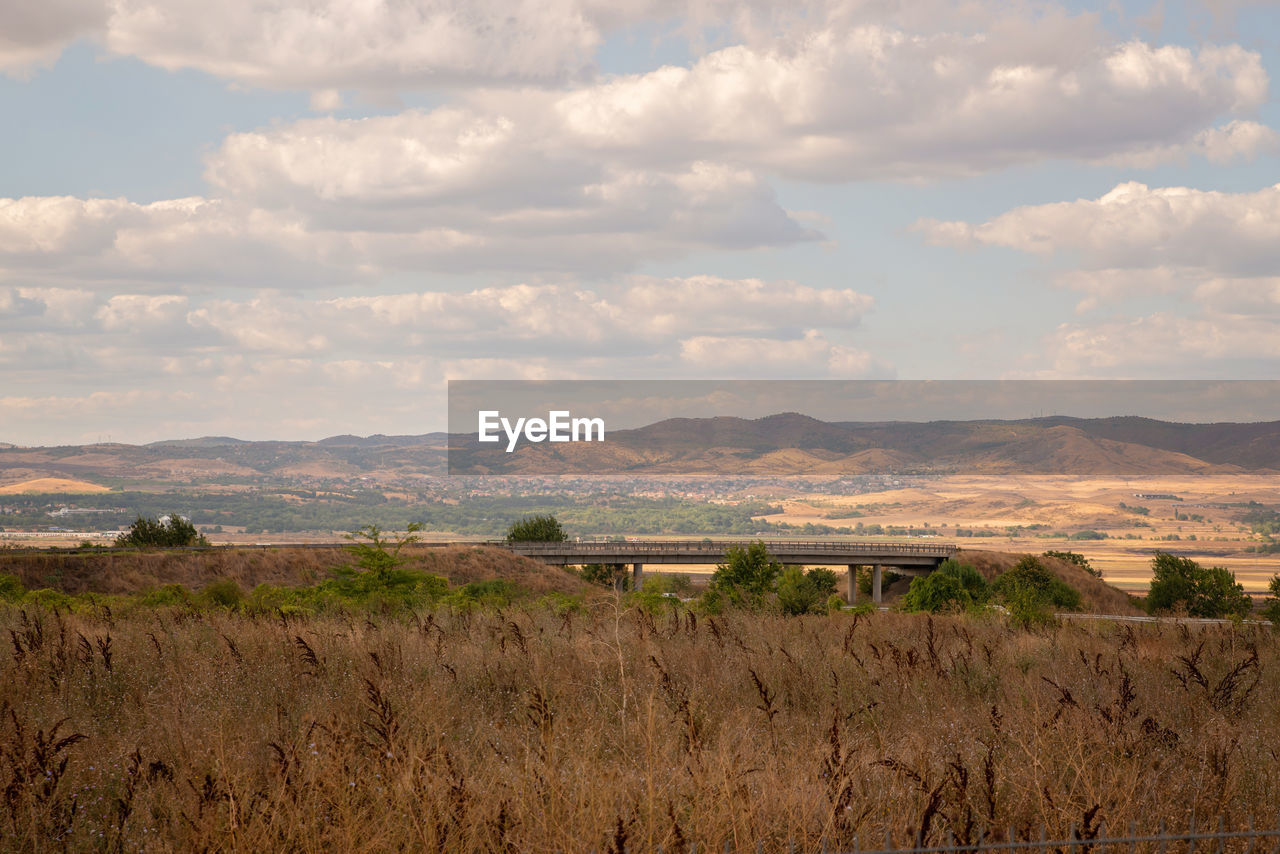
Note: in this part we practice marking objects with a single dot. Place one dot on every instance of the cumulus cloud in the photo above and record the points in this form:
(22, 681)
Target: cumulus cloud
(862, 101)
(268, 351)
(1237, 140)
(1213, 256)
(875, 101)
(343, 44)
(1167, 345)
(67, 238)
(809, 355)
(1136, 226)
(643, 316)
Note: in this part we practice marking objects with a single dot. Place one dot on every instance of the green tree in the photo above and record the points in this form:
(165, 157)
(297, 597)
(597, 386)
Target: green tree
(825, 580)
(172, 531)
(1271, 606)
(954, 586)
(606, 574)
(799, 592)
(536, 529)
(1078, 559)
(1029, 581)
(370, 548)
(750, 570)
(1180, 583)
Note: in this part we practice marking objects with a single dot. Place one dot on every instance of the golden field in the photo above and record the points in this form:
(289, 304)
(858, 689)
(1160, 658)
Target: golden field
(611, 728)
(1071, 504)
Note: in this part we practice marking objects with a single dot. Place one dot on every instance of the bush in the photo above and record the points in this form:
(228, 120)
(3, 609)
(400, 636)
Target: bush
(1027, 607)
(1088, 535)
(496, 592)
(750, 570)
(50, 599)
(1179, 583)
(825, 580)
(797, 591)
(536, 529)
(605, 574)
(954, 586)
(168, 595)
(224, 594)
(172, 531)
(1078, 559)
(11, 589)
(1029, 581)
(1271, 606)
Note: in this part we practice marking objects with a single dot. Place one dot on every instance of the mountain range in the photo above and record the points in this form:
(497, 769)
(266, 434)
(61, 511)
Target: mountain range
(791, 443)
(783, 444)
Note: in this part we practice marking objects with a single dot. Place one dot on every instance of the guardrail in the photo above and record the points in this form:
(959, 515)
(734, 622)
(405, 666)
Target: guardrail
(720, 546)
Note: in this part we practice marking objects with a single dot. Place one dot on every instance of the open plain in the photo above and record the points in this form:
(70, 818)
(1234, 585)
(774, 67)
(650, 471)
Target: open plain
(1035, 513)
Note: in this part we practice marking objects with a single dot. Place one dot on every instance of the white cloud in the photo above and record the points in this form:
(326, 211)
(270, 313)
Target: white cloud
(202, 359)
(1169, 346)
(809, 355)
(874, 101)
(328, 44)
(1237, 140)
(61, 238)
(1135, 226)
(851, 101)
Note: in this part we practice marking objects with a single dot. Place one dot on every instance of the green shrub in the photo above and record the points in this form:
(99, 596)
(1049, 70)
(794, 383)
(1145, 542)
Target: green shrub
(797, 592)
(495, 592)
(1179, 583)
(50, 599)
(1028, 606)
(11, 589)
(750, 570)
(954, 586)
(712, 602)
(148, 533)
(537, 529)
(1029, 578)
(825, 580)
(168, 595)
(1078, 559)
(225, 593)
(605, 574)
(1271, 606)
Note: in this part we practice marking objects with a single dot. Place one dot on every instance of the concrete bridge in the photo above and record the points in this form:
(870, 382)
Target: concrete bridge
(904, 558)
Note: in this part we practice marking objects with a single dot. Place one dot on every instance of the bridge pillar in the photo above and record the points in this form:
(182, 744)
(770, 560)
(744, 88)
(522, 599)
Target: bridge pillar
(637, 575)
(619, 576)
(877, 575)
(853, 584)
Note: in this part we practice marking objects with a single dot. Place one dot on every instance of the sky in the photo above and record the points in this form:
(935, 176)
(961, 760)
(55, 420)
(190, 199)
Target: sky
(299, 218)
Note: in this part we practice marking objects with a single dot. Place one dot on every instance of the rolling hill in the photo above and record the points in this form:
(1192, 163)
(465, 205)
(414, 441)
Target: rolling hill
(783, 444)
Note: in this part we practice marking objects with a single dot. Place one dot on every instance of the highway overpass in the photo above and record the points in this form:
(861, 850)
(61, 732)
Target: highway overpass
(905, 558)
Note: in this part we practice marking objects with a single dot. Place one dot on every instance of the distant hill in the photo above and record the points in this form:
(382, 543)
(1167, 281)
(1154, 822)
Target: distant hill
(791, 443)
(783, 444)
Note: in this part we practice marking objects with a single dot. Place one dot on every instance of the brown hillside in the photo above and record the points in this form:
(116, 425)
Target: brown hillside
(120, 572)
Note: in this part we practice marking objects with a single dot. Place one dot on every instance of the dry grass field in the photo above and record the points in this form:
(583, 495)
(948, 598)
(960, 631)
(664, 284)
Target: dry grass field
(608, 728)
(1070, 505)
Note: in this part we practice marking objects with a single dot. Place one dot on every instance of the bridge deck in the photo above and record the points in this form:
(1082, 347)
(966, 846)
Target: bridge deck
(712, 551)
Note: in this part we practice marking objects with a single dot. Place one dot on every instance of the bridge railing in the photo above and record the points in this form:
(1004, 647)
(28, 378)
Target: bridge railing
(719, 547)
